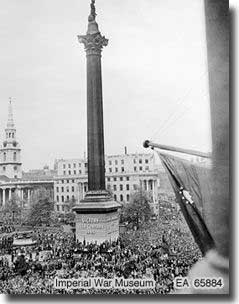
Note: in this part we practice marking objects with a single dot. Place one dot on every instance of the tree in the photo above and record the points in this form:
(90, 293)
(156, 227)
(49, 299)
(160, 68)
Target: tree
(41, 207)
(69, 216)
(11, 212)
(138, 211)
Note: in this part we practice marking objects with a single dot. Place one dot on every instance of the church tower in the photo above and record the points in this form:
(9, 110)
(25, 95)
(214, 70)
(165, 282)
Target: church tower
(10, 161)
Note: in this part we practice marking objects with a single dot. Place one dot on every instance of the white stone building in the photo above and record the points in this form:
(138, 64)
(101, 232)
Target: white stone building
(124, 174)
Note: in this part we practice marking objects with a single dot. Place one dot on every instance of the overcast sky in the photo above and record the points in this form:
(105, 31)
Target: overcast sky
(155, 81)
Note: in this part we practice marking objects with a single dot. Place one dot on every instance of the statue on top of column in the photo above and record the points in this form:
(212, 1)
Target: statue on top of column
(92, 11)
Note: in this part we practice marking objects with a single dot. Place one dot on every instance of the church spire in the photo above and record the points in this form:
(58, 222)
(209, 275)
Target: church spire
(10, 122)
(10, 152)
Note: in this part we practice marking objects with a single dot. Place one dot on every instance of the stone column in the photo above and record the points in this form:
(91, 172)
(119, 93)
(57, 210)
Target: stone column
(83, 190)
(78, 192)
(28, 196)
(153, 190)
(3, 196)
(97, 208)
(10, 194)
(21, 194)
(94, 42)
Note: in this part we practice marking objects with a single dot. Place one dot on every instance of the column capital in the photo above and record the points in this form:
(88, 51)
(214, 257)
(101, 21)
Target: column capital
(93, 43)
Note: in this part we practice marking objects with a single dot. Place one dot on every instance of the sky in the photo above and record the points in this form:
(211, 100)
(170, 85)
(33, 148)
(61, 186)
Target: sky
(154, 70)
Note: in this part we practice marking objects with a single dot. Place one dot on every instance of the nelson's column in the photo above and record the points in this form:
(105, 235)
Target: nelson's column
(97, 217)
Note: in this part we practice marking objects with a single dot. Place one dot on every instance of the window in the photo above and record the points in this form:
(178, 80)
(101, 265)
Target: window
(74, 165)
(140, 168)
(146, 161)
(85, 165)
(67, 181)
(69, 165)
(62, 199)
(67, 189)
(64, 166)
(121, 198)
(4, 156)
(127, 197)
(122, 161)
(4, 168)
(79, 171)
(15, 168)
(64, 172)
(116, 162)
(108, 179)
(73, 188)
(79, 164)
(127, 178)
(115, 197)
(69, 172)
(57, 199)
(110, 163)
(121, 187)
(115, 179)
(67, 197)
(115, 187)
(127, 187)
(140, 161)
(116, 169)
(57, 189)
(147, 168)
(122, 169)
(73, 181)
(135, 161)
(121, 178)
(14, 156)
(73, 197)
(62, 189)
(74, 172)
(110, 169)
(135, 168)
(62, 181)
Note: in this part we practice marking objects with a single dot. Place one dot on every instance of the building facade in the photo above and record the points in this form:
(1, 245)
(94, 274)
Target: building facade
(125, 174)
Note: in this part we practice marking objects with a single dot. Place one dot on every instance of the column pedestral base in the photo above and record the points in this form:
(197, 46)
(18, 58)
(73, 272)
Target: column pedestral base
(97, 218)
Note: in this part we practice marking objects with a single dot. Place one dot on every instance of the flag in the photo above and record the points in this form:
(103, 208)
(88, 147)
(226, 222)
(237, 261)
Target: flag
(191, 185)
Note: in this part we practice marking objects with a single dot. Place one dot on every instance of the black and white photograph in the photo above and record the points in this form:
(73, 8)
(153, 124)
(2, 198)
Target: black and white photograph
(114, 147)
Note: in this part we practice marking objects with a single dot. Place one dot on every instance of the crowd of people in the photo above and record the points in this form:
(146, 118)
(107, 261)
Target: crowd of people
(160, 250)
(6, 229)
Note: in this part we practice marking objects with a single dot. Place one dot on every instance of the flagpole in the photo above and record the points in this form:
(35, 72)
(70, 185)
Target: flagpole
(148, 143)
